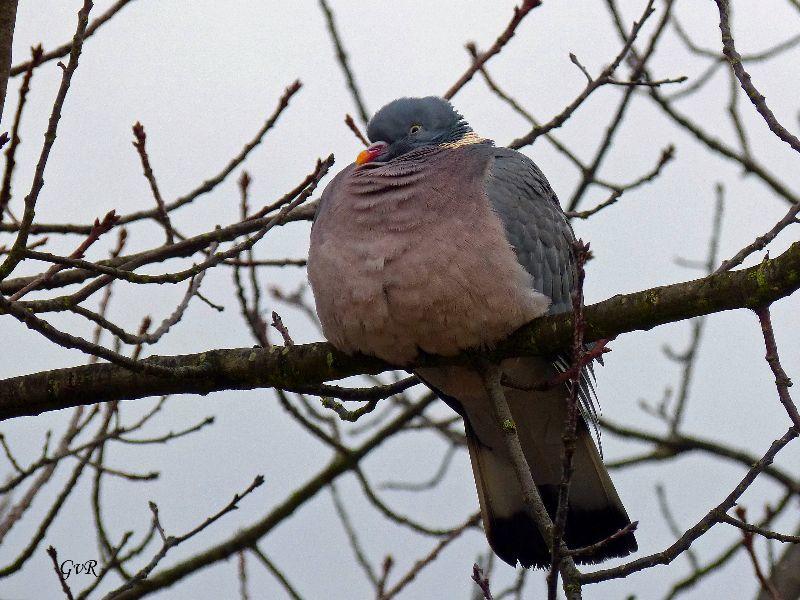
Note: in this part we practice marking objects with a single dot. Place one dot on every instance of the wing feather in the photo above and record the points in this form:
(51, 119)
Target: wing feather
(542, 238)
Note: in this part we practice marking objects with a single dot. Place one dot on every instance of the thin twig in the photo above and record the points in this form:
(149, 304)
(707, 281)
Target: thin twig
(65, 49)
(244, 592)
(51, 552)
(770, 535)
(790, 218)
(270, 566)
(277, 323)
(491, 376)
(348, 120)
(758, 100)
(593, 548)
(675, 529)
(519, 14)
(16, 253)
(141, 148)
(429, 558)
(747, 542)
(701, 527)
(352, 536)
(582, 254)
(782, 381)
(98, 229)
(481, 581)
(170, 542)
(341, 56)
(5, 192)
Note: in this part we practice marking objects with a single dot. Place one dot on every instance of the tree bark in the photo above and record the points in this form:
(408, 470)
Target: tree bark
(8, 17)
(301, 366)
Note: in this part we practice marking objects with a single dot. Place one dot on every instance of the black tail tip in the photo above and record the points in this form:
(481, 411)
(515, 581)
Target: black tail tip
(517, 539)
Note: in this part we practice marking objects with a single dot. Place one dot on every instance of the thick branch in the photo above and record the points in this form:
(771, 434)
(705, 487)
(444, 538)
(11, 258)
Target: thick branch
(302, 365)
(8, 17)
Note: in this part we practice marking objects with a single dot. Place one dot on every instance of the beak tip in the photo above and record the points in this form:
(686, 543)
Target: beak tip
(371, 153)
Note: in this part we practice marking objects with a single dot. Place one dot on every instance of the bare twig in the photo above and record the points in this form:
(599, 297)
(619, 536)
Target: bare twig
(713, 516)
(11, 151)
(740, 523)
(429, 558)
(341, 56)
(170, 542)
(352, 536)
(519, 14)
(270, 566)
(582, 254)
(618, 190)
(481, 581)
(790, 218)
(394, 516)
(782, 381)
(590, 550)
(348, 120)
(434, 480)
(140, 145)
(491, 376)
(16, 253)
(758, 100)
(277, 323)
(65, 49)
(51, 552)
(244, 591)
(676, 443)
(98, 229)
(675, 529)
(747, 542)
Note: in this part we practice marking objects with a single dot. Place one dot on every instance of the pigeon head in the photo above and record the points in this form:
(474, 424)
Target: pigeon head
(407, 124)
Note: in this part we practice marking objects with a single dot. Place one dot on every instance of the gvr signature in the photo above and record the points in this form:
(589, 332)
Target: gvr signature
(68, 567)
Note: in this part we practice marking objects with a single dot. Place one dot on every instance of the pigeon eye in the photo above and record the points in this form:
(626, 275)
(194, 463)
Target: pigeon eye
(414, 129)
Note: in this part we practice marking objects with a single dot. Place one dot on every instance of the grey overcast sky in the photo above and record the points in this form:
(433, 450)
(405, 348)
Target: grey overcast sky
(202, 75)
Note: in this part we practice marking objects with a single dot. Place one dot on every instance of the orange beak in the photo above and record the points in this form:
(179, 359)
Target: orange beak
(371, 153)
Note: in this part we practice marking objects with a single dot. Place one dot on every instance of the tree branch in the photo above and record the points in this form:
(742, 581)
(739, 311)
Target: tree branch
(249, 536)
(756, 97)
(64, 49)
(8, 17)
(302, 365)
(519, 14)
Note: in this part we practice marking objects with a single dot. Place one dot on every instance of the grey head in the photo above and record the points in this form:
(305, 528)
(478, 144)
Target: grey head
(407, 124)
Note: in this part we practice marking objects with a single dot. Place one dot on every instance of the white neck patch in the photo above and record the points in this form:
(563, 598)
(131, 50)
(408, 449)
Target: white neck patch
(467, 140)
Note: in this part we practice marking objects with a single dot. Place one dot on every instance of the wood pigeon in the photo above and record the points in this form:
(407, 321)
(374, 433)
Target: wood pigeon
(436, 240)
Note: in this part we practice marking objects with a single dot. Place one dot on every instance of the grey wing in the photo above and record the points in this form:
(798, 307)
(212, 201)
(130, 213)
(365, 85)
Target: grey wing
(534, 223)
(542, 238)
